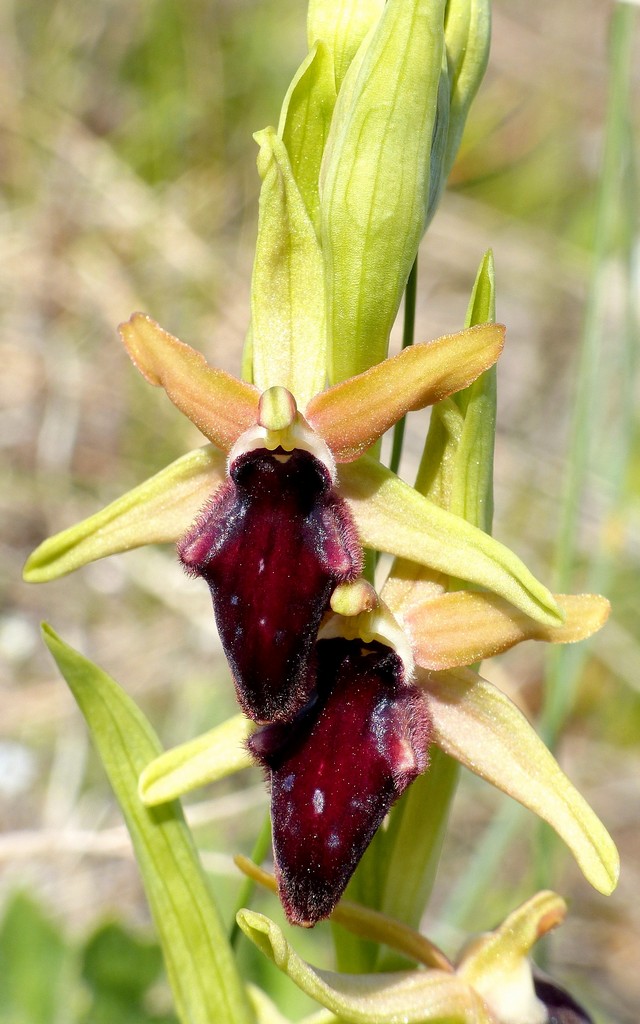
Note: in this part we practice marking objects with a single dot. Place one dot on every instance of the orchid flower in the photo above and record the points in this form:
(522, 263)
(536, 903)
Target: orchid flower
(278, 537)
(349, 688)
(491, 982)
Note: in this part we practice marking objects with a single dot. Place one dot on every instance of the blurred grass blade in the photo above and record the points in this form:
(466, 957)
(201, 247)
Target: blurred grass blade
(214, 755)
(200, 965)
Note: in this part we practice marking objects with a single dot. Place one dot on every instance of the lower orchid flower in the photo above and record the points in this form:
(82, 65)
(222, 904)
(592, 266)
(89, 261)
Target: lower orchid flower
(336, 770)
(491, 982)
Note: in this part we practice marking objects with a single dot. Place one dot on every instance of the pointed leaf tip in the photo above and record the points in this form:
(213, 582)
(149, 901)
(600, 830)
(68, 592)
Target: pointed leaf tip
(219, 405)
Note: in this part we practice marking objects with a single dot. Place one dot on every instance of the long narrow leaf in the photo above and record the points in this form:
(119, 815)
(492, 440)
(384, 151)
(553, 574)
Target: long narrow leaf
(200, 965)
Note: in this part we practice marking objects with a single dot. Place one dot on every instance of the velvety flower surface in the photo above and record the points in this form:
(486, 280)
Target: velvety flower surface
(272, 544)
(335, 772)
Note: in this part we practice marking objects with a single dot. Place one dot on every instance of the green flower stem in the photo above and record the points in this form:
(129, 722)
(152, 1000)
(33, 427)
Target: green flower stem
(416, 862)
(408, 332)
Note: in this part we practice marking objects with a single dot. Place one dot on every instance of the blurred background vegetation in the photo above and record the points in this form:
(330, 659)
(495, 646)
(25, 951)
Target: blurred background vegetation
(128, 182)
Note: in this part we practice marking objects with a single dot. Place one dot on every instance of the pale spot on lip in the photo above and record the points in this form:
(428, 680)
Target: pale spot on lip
(318, 801)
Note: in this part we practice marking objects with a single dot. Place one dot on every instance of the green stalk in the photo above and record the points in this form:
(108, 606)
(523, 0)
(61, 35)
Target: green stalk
(258, 853)
(408, 333)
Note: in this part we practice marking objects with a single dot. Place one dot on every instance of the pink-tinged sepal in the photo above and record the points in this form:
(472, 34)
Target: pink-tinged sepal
(337, 769)
(272, 545)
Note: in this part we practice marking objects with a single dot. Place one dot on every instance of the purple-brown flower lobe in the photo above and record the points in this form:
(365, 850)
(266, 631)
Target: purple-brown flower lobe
(337, 769)
(272, 544)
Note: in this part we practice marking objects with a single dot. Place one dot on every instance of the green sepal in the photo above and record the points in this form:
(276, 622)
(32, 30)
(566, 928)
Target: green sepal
(414, 997)
(304, 124)
(288, 321)
(375, 180)
(158, 511)
(342, 24)
(199, 961)
(393, 517)
(212, 756)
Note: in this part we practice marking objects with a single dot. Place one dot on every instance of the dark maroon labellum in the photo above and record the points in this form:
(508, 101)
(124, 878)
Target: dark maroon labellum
(336, 770)
(561, 1007)
(272, 544)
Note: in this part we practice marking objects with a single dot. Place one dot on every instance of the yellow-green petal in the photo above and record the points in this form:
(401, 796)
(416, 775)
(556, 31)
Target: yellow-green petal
(352, 415)
(305, 121)
(392, 517)
(479, 726)
(221, 406)
(464, 627)
(159, 511)
(288, 320)
(342, 24)
(413, 997)
(212, 756)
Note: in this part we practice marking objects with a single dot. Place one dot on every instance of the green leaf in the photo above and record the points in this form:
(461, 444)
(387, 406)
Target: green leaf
(475, 723)
(212, 756)
(456, 469)
(159, 511)
(305, 120)
(34, 961)
(288, 320)
(375, 180)
(413, 997)
(198, 958)
(342, 24)
(392, 517)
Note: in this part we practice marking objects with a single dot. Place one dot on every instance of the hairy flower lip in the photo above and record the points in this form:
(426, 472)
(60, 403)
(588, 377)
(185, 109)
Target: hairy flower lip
(335, 771)
(272, 545)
